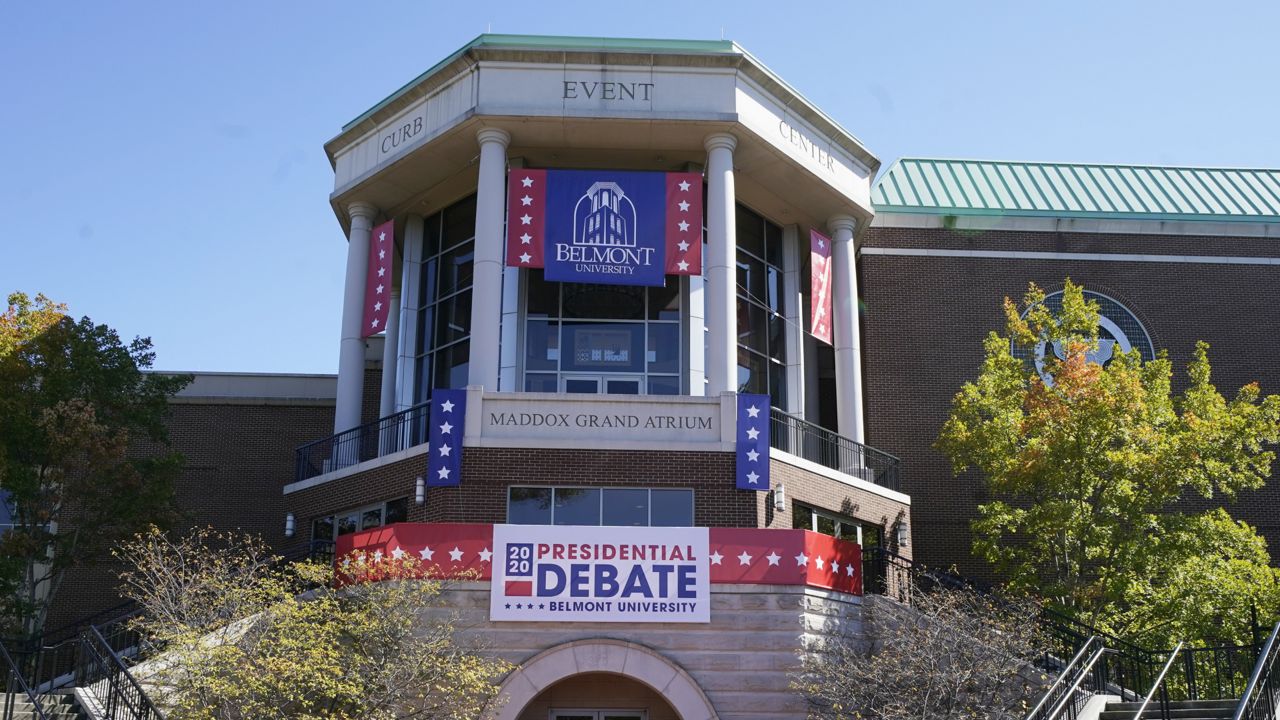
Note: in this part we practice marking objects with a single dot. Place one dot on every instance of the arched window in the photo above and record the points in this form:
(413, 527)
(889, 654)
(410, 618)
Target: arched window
(1118, 331)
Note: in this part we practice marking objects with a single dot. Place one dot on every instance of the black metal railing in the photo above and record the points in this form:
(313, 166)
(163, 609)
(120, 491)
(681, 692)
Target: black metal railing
(105, 674)
(383, 436)
(15, 689)
(1075, 684)
(1258, 701)
(815, 443)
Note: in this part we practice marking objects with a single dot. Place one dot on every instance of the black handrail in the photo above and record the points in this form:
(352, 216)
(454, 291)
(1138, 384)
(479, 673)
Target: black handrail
(105, 671)
(1263, 686)
(1159, 685)
(14, 683)
(815, 443)
(395, 432)
(1054, 699)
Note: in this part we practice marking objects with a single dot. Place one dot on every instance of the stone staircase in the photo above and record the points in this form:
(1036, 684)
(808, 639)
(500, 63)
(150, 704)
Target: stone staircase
(1179, 710)
(55, 707)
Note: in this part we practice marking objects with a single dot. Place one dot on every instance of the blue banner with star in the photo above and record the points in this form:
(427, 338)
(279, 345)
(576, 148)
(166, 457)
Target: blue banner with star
(444, 450)
(753, 442)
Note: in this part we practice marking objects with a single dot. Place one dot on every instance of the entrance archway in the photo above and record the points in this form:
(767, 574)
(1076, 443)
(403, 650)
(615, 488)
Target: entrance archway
(612, 657)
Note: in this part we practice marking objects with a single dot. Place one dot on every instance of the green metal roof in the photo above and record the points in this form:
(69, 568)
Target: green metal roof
(1132, 192)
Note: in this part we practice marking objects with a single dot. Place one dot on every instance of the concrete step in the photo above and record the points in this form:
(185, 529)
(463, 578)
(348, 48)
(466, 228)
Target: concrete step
(55, 707)
(1179, 710)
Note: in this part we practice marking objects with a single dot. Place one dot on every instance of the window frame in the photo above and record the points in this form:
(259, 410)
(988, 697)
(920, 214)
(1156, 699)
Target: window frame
(600, 511)
(359, 512)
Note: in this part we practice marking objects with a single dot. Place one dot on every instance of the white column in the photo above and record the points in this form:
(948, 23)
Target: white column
(695, 336)
(793, 310)
(720, 291)
(410, 289)
(486, 293)
(346, 412)
(390, 353)
(845, 327)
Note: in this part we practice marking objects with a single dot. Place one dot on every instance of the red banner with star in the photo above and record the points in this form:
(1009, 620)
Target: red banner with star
(377, 284)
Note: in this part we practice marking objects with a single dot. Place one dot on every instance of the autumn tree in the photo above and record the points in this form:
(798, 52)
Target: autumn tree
(241, 635)
(1099, 475)
(74, 400)
(950, 653)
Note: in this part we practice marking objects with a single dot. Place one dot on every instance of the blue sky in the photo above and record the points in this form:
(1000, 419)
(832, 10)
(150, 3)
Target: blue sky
(164, 170)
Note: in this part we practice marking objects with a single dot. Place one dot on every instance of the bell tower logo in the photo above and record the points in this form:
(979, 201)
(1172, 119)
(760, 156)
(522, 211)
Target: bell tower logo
(604, 216)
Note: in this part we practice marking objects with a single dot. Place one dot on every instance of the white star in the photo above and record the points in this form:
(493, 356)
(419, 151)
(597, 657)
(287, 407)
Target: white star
(684, 186)
(819, 562)
(446, 406)
(753, 456)
(486, 555)
(752, 477)
(382, 254)
(526, 200)
(744, 558)
(822, 244)
(382, 271)
(455, 554)
(802, 560)
(848, 570)
(377, 306)
(527, 182)
(684, 246)
(753, 411)
(398, 553)
(426, 553)
(684, 226)
(444, 473)
(446, 428)
(716, 557)
(377, 556)
(821, 311)
(379, 289)
(684, 206)
(682, 265)
(525, 258)
(382, 236)
(525, 238)
(444, 450)
(773, 558)
(346, 563)
(525, 219)
(753, 433)
(374, 323)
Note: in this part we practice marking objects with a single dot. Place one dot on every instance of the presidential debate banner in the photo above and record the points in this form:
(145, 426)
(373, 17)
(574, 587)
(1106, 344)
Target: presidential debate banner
(605, 226)
(600, 574)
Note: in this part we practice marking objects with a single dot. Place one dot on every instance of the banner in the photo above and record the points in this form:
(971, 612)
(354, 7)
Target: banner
(753, 442)
(377, 284)
(615, 227)
(820, 285)
(444, 451)
(600, 574)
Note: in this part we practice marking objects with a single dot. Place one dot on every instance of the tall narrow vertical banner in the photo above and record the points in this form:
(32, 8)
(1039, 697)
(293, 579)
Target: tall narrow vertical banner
(444, 453)
(377, 284)
(526, 218)
(820, 285)
(753, 442)
(684, 224)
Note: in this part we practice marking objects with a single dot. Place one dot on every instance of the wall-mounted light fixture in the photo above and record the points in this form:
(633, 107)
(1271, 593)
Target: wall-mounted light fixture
(420, 491)
(288, 525)
(779, 498)
(904, 534)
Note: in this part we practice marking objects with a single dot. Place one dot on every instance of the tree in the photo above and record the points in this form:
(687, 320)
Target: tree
(74, 401)
(1096, 474)
(950, 654)
(245, 636)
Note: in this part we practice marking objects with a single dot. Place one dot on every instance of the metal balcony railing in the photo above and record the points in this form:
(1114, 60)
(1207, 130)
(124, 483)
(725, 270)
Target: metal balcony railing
(383, 436)
(815, 443)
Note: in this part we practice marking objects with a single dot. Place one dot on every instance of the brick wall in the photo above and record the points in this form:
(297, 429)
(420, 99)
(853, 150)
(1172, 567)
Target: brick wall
(926, 317)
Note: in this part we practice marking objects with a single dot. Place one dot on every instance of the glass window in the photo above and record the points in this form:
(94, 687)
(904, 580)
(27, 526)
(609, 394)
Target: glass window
(397, 510)
(603, 347)
(664, 385)
(444, 299)
(371, 518)
(542, 345)
(322, 528)
(626, 506)
(671, 508)
(617, 507)
(761, 324)
(529, 506)
(577, 506)
(866, 534)
(663, 354)
(541, 382)
(451, 366)
(664, 302)
(348, 523)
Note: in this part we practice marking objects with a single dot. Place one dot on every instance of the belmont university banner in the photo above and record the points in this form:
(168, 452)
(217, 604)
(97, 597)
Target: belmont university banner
(617, 227)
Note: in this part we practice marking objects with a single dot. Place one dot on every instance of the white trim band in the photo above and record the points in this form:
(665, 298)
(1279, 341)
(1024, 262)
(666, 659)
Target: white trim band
(1068, 256)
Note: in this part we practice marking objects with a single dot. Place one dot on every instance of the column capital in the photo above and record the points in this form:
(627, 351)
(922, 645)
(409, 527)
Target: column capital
(836, 223)
(362, 209)
(716, 141)
(494, 135)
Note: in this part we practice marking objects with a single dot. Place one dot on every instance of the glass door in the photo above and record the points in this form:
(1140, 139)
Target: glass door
(598, 715)
(611, 384)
